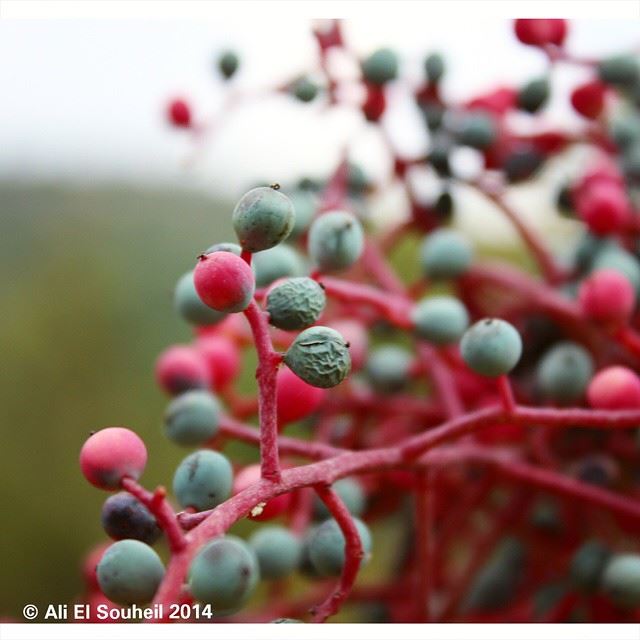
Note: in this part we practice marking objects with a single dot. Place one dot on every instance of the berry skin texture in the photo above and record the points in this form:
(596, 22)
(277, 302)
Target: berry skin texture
(588, 99)
(380, 67)
(491, 347)
(228, 64)
(614, 388)
(564, 372)
(262, 219)
(326, 547)
(278, 551)
(124, 516)
(224, 281)
(295, 398)
(355, 333)
(440, 319)
(224, 574)
(203, 480)
(189, 305)
(587, 566)
(336, 240)
(320, 357)
(539, 32)
(350, 492)
(110, 455)
(192, 418)
(388, 368)
(181, 368)
(295, 303)
(621, 580)
(179, 114)
(280, 262)
(607, 296)
(222, 358)
(130, 572)
(445, 254)
(273, 508)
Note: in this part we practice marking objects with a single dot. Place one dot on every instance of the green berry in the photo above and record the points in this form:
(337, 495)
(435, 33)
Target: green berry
(522, 163)
(534, 95)
(388, 368)
(621, 580)
(380, 67)
(357, 181)
(327, 547)
(228, 64)
(295, 303)
(440, 319)
(625, 131)
(130, 572)
(305, 203)
(278, 551)
(351, 493)
(434, 67)
(319, 356)
(262, 219)
(631, 163)
(189, 305)
(203, 480)
(280, 262)
(564, 372)
(304, 90)
(231, 247)
(619, 70)
(445, 254)
(588, 564)
(336, 240)
(224, 574)
(192, 418)
(491, 347)
(477, 130)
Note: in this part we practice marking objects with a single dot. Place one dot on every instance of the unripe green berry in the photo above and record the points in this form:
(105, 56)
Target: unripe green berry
(282, 261)
(588, 565)
(445, 254)
(477, 130)
(319, 356)
(440, 319)
(388, 368)
(189, 305)
(192, 418)
(621, 580)
(295, 303)
(278, 551)
(380, 67)
(231, 247)
(350, 492)
(491, 347)
(336, 240)
(228, 64)
(564, 372)
(434, 67)
(305, 203)
(203, 480)
(534, 95)
(619, 70)
(304, 90)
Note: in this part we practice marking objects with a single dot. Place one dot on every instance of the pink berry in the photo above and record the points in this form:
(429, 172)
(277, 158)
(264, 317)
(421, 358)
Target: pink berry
(603, 206)
(588, 99)
(539, 32)
(614, 388)
(180, 368)
(179, 113)
(224, 281)
(607, 296)
(273, 508)
(356, 335)
(222, 358)
(295, 398)
(110, 455)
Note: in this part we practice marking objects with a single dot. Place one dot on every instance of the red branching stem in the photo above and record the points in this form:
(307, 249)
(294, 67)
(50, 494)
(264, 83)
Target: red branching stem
(506, 394)
(424, 543)
(158, 505)
(442, 379)
(335, 193)
(353, 553)
(379, 269)
(268, 362)
(629, 339)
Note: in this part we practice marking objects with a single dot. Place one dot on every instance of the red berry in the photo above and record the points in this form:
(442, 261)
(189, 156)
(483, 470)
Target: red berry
(499, 101)
(539, 32)
(295, 398)
(111, 454)
(180, 368)
(179, 113)
(273, 508)
(614, 388)
(222, 358)
(588, 99)
(603, 206)
(607, 296)
(224, 281)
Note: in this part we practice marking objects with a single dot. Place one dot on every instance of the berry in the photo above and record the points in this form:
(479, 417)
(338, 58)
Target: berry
(90, 565)
(603, 207)
(613, 257)
(491, 347)
(588, 99)
(352, 494)
(320, 356)
(380, 67)
(336, 240)
(477, 130)
(607, 296)
(273, 508)
(295, 303)
(124, 516)
(534, 95)
(189, 305)
(621, 580)
(295, 398)
(203, 480)
(130, 572)
(222, 359)
(445, 254)
(539, 32)
(631, 164)
(357, 181)
(587, 566)
(224, 574)
(179, 113)
(440, 319)
(228, 64)
(230, 247)
(355, 334)
(192, 418)
(224, 281)
(564, 372)
(522, 163)
(619, 70)
(277, 550)
(434, 67)
(305, 203)
(326, 547)
(280, 262)
(111, 454)
(388, 368)
(263, 218)
(180, 368)
(304, 90)
(614, 388)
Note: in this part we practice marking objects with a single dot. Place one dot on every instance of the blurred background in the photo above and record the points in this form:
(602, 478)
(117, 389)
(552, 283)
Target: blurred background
(103, 206)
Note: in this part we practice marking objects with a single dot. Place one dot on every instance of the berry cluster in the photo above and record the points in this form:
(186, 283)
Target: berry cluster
(472, 431)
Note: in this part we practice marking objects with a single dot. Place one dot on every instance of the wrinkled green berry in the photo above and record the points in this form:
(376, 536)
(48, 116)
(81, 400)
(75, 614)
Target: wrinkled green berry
(295, 303)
